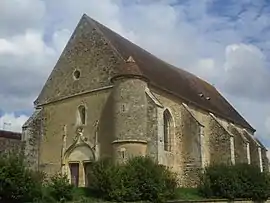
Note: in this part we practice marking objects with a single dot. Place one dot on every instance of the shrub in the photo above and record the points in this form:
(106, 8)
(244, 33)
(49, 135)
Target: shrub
(17, 182)
(103, 176)
(139, 179)
(59, 188)
(236, 181)
(150, 181)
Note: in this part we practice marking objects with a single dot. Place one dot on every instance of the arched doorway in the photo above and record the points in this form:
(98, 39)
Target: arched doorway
(77, 160)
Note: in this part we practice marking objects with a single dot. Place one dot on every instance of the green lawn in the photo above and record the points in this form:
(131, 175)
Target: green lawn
(82, 195)
(188, 194)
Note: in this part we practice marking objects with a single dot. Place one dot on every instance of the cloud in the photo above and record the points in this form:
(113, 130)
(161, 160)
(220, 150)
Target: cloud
(12, 123)
(29, 13)
(245, 73)
(25, 62)
(267, 124)
(226, 44)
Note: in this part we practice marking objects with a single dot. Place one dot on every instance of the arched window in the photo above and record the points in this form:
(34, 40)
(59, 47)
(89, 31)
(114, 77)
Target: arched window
(82, 114)
(167, 119)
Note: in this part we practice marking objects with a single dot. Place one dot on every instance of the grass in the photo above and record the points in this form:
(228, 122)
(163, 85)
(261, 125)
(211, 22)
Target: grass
(188, 194)
(82, 195)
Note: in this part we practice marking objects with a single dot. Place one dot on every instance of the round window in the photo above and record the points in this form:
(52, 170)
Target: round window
(77, 74)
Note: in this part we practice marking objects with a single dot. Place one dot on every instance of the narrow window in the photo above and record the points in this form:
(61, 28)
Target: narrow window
(82, 114)
(248, 153)
(260, 158)
(123, 153)
(167, 119)
(232, 149)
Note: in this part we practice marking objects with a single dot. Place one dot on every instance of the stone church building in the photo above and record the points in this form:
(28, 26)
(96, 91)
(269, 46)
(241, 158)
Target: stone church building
(107, 97)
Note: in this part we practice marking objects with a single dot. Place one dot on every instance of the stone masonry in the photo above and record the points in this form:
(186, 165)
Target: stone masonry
(10, 141)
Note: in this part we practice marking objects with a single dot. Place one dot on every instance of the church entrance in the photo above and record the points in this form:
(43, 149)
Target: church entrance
(77, 158)
(78, 161)
(74, 173)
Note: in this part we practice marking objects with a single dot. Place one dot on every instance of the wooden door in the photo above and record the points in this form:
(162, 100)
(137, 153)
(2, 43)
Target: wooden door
(74, 173)
(87, 168)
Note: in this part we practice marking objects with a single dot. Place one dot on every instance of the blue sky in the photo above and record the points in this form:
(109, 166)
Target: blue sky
(224, 42)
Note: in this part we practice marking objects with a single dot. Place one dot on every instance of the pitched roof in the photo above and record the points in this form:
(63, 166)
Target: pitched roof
(10, 135)
(171, 79)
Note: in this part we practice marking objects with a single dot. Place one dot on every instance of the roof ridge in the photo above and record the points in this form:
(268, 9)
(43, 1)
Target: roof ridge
(95, 24)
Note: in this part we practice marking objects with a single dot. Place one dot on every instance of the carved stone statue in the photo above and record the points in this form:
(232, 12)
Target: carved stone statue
(79, 134)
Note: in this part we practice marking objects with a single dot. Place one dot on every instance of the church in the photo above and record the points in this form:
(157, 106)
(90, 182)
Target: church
(107, 97)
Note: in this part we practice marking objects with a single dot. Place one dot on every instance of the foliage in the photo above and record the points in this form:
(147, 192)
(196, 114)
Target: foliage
(139, 179)
(59, 188)
(235, 181)
(17, 182)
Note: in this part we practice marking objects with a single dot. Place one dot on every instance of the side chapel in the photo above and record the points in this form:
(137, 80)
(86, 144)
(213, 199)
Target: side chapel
(107, 97)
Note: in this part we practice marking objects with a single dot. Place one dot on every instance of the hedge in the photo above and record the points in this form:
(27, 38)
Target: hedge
(235, 181)
(140, 179)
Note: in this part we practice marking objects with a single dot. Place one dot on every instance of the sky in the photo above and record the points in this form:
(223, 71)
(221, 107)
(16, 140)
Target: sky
(224, 42)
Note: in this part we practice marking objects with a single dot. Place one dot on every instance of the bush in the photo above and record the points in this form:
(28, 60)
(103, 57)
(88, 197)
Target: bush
(59, 188)
(17, 182)
(236, 181)
(139, 179)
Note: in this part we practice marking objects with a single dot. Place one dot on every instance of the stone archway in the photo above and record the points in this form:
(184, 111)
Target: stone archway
(76, 159)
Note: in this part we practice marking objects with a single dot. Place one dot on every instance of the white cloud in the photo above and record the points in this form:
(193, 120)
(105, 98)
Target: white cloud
(12, 123)
(267, 124)
(60, 39)
(29, 43)
(25, 62)
(27, 13)
(246, 73)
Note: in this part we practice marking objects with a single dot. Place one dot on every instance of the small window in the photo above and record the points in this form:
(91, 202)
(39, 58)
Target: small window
(122, 153)
(77, 74)
(82, 114)
(167, 119)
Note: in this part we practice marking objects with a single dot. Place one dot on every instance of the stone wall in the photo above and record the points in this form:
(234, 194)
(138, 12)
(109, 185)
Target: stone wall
(240, 145)
(130, 109)
(10, 141)
(88, 52)
(61, 123)
(173, 159)
(191, 151)
(253, 144)
(220, 145)
(265, 161)
(153, 141)
(222, 142)
(31, 135)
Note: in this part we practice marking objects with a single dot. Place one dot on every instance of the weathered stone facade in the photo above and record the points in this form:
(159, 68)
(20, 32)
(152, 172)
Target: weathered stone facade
(99, 103)
(10, 141)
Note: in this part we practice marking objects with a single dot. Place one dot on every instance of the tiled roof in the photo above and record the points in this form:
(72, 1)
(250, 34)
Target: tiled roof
(171, 79)
(10, 135)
